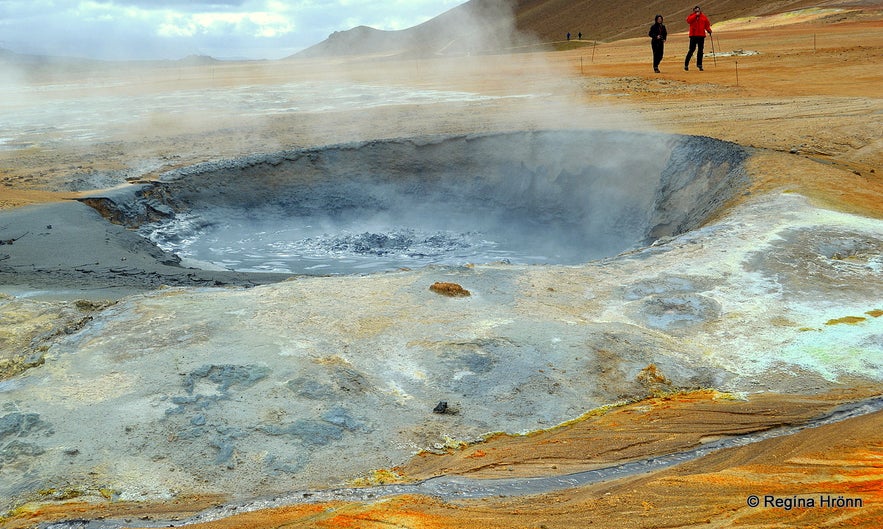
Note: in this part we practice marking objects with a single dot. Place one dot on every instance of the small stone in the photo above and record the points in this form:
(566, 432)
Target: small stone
(449, 289)
(441, 407)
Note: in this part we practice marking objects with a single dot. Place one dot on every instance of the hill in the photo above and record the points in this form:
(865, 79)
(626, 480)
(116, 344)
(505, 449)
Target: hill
(473, 27)
(489, 26)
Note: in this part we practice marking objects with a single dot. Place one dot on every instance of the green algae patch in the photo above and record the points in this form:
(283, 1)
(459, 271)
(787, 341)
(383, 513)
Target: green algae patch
(68, 493)
(697, 394)
(29, 327)
(849, 320)
(594, 412)
(109, 494)
(381, 476)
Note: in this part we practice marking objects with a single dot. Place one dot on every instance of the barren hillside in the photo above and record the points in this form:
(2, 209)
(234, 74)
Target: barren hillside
(494, 25)
(550, 20)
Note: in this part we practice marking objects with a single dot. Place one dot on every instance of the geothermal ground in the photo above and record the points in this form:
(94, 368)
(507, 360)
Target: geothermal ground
(725, 343)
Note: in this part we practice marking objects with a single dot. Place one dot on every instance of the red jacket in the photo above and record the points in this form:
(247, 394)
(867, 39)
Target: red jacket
(699, 24)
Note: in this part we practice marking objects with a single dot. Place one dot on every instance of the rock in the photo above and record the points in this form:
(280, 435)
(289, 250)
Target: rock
(654, 380)
(449, 289)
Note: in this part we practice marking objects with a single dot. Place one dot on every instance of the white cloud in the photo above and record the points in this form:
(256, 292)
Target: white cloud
(175, 26)
(254, 25)
(138, 29)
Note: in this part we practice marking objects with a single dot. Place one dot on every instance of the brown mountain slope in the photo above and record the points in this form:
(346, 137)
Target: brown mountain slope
(550, 20)
(481, 26)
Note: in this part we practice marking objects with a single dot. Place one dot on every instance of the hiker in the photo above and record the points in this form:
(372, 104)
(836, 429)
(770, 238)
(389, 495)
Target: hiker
(568, 35)
(699, 25)
(657, 34)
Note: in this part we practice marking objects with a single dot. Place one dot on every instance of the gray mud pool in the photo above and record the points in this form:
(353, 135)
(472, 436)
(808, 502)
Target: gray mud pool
(523, 198)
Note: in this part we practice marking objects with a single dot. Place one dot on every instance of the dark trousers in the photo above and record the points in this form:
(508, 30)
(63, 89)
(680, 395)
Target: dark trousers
(658, 50)
(694, 43)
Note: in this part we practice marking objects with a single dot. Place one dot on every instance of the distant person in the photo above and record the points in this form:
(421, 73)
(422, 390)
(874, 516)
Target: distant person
(657, 34)
(568, 35)
(699, 25)
(579, 35)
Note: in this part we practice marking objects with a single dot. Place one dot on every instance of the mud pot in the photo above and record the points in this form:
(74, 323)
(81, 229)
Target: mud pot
(562, 197)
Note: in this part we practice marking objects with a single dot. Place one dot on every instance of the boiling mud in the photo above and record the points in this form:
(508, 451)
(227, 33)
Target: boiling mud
(270, 242)
(545, 197)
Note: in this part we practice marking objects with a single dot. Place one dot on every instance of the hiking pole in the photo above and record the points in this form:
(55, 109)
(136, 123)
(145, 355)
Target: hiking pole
(713, 53)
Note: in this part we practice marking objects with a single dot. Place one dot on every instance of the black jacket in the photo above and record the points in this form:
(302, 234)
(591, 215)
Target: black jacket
(658, 29)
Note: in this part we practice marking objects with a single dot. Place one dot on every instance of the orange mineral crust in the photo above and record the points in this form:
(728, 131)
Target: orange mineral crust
(836, 463)
(831, 476)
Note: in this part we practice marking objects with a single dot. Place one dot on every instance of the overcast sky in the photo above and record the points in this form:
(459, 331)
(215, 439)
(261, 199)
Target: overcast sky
(172, 29)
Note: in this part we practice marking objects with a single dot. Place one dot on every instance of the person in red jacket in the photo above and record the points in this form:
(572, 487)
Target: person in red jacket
(699, 25)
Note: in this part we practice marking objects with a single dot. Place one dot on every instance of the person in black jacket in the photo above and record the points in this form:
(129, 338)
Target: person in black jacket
(658, 34)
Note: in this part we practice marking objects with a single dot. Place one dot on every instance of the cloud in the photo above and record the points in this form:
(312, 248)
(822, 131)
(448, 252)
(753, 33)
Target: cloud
(256, 25)
(165, 4)
(145, 29)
